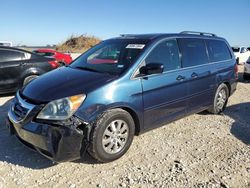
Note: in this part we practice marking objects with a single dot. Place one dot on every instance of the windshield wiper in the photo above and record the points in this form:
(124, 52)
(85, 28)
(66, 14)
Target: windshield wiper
(87, 69)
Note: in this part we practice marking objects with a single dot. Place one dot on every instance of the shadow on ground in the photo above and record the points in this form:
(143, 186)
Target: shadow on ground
(11, 151)
(240, 78)
(241, 115)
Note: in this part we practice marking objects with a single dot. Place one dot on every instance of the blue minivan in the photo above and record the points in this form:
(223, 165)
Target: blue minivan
(120, 88)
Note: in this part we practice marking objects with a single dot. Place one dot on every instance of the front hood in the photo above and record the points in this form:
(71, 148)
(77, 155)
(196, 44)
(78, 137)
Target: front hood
(64, 82)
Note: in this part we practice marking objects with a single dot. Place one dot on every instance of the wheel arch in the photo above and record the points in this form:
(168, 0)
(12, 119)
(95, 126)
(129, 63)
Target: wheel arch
(32, 71)
(135, 118)
(29, 72)
(227, 82)
(228, 86)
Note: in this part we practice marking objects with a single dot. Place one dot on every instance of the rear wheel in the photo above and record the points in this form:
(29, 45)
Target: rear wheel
(28, 79)
(112, 135)
(220, 99)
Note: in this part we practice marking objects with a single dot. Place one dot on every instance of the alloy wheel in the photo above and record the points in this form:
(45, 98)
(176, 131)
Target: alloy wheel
(115, 136)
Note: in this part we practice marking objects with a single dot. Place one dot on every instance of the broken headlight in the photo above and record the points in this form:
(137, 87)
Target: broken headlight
(61, 109)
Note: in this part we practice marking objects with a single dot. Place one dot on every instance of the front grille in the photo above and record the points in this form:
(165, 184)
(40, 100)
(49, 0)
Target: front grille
(20, 111)
(21, 108)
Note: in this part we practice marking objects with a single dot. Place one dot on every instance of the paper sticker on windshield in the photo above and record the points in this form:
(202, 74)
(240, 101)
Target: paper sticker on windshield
(135, 46)
(120, 66)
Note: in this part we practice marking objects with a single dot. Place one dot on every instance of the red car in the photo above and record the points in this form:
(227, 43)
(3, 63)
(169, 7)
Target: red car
(61, 58)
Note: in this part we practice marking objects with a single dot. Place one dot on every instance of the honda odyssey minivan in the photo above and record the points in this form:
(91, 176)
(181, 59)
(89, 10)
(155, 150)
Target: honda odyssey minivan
(120, 88)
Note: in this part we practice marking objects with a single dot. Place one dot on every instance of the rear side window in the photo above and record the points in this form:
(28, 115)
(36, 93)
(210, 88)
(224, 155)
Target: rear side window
(46, 54)
(193, 52)
(166, 53)
(10, 55)
(218, 50)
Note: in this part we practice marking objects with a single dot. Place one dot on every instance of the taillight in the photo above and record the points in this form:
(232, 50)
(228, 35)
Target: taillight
(236, 70)
(54, 64)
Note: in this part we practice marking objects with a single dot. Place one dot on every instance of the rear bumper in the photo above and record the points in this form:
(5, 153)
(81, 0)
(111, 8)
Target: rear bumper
(58, 143)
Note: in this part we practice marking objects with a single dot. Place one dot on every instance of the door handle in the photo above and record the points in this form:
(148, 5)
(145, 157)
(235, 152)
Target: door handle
(194, 75)
(180, 78)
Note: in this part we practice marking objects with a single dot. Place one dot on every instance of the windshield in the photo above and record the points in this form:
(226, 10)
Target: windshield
(113, 56)
(235, 49)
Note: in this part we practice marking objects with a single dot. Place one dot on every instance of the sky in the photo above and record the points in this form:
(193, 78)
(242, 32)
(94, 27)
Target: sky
(31, 22)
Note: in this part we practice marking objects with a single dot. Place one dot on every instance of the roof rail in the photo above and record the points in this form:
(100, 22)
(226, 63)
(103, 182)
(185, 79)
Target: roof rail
(126, 35)
(198, 33)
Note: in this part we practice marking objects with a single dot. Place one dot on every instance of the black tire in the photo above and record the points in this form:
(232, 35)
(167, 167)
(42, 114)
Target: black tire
(217, 107)
(97, 138)
(245, 77)
(238, 61)
(28, 79)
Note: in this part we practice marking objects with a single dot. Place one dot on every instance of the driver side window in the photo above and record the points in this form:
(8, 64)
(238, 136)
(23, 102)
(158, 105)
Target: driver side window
(166, 53)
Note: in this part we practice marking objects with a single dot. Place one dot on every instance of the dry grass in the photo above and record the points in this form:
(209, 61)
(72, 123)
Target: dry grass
(78, 43)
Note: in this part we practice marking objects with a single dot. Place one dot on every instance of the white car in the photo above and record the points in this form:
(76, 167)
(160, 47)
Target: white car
(246, 74)
(241, 54)
(6, 43)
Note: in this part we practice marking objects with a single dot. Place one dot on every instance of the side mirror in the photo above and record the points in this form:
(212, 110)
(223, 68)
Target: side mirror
(152, 68)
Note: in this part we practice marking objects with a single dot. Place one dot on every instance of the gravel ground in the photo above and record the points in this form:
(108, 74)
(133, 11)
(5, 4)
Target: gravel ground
(201, 150)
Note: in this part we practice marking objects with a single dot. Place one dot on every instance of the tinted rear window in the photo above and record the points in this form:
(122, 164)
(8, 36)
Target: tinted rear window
(193, 52)
(218, 50)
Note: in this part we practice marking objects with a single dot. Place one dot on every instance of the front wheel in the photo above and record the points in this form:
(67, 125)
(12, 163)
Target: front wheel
(220, 99)
(111, 135)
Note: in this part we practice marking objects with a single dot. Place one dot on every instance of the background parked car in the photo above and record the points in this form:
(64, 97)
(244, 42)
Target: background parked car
(241, 54)
(246, 74)
(5, 43)
(18, 67)
(140, 82)
(61, 58)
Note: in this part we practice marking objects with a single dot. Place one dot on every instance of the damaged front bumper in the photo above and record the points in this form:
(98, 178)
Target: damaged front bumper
(57, 142)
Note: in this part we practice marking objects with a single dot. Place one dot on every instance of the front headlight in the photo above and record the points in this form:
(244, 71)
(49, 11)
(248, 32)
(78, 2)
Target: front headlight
(61, 109)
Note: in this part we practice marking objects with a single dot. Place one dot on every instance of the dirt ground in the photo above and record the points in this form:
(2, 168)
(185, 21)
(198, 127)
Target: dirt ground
(201, 150)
